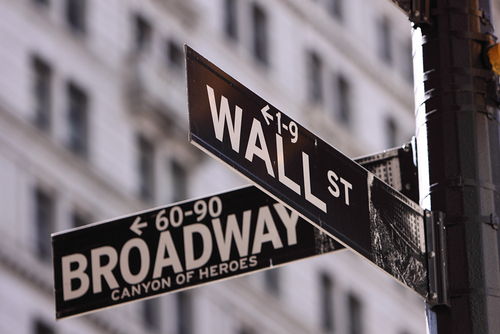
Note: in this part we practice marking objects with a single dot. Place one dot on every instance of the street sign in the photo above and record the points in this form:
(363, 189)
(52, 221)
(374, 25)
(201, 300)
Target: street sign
(291, 164)
(310, 241)
(177, 247)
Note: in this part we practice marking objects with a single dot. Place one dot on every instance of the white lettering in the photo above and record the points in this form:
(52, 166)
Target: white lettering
(281, 167)
(219, 120)
(307, 185)
(141, 246)
(252, 148)
(166, 244)
(347, 187)
(265, 221)
(332, 177)
(204, 232)
(115, 295)
(99, 270)
(241, 238)
(290, 222)
(69, 275)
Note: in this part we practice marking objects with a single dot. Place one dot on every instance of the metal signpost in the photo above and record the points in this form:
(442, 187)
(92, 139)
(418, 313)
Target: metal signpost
(177, 247)
(296, 167)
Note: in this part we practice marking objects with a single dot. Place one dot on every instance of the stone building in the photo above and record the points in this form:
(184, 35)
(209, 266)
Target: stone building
(93, 125)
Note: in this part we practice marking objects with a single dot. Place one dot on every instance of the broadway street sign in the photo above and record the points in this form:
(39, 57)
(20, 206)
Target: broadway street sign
(176, 247)
(296, 167)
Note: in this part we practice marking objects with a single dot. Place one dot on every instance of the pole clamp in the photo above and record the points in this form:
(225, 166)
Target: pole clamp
(493, 221)
(437, 270)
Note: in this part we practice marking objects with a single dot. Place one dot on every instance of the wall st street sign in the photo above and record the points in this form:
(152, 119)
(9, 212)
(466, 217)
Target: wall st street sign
(176, 247)
(291, 164)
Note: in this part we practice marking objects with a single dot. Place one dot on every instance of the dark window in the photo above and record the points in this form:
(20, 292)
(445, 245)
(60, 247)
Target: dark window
(41, 327)
(384, 38)
(151, 315)
(391, 132)
(260, 34)
(44, 209)
(42, 2)
(175, 56)
(78, 119)
(246, 330)
(80, 219)
(230, 19)
(75, 15)
(336, 9)
(179, 181)
(142, 33)
(326, 297)
(146, 169)
(315, 78)
(42, 92)
(355, 315)
(408, 63)
(344, 99)
(184, 313)
(272, 281)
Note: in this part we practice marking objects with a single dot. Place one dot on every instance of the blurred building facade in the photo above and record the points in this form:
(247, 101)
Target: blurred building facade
(93, 125)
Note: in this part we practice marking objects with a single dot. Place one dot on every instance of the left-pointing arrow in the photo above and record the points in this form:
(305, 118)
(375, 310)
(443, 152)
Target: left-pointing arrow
(267, 116)
(137, 225)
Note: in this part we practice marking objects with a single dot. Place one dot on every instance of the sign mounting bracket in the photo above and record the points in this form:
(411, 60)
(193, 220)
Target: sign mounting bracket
(418, 11)
(436, 258)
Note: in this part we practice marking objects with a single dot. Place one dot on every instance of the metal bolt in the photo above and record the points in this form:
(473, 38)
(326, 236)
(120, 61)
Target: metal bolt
(434, 296)
(432, 254)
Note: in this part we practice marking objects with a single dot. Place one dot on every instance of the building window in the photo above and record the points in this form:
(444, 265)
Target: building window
(391, 132)
(336, 9)
(78, 102)
(344, 99)
(384, 38)
(175, 56)
(75, 15)
(272, 281)
(142, 33)
(79, 219)
(44, 3)
(315, 78)
(179, 181)
(230, 19)
(44, 210)
(42, 92)
(326, 298)
(260, 34)
(184, 313)
(246, 330)
(408, 62)
(151, 315)
(41, 327)
(146, 168)
(355, 315)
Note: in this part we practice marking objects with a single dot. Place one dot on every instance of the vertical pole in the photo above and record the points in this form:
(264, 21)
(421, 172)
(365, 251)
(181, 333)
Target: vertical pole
(461, 119)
